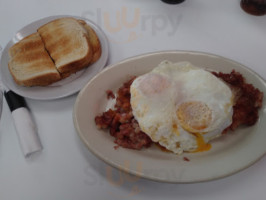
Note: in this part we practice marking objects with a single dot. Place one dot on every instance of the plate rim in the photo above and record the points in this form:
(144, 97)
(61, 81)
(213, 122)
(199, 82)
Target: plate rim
(142, 175)
(105, 53)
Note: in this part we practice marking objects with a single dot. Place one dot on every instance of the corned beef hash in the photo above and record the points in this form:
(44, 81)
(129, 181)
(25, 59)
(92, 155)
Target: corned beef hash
(180, 107)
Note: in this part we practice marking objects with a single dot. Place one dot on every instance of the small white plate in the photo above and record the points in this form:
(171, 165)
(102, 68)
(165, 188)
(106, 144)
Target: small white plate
(229, 154)
(60, 89)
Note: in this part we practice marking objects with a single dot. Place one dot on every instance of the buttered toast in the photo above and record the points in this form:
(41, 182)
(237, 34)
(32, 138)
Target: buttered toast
(30, 63)
(55, 51)
(67, 43)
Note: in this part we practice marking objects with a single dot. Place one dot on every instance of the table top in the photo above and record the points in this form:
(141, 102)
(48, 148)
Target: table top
(65, 169)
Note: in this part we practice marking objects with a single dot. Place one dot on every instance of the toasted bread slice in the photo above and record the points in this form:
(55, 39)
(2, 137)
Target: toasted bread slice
(94, 41)
(27, 43)
(30, 64)
(67, 43)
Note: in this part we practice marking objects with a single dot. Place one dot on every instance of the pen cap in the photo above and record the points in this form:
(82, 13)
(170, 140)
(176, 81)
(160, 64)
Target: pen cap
(14, 100)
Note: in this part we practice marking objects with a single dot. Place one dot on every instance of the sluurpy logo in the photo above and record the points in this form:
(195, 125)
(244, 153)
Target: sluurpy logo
(116, 178)
(129, 186)
(131, 24)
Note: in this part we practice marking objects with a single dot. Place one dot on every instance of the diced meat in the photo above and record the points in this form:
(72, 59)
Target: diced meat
(248, 99)
(121, 122)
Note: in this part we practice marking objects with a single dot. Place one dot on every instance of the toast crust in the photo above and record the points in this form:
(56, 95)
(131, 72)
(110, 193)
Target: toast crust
(94, 41)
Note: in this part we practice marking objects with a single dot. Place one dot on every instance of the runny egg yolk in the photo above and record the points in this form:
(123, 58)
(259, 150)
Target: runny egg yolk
(175, 129)
(202, 145)
(194, 116)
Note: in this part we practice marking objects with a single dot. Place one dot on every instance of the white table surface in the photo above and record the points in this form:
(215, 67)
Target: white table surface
(65, 169)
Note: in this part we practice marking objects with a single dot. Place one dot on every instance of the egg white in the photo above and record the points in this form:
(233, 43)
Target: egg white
(157, 95)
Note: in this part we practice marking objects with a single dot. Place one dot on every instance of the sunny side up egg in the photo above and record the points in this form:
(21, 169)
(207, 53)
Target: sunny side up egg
(181, 106)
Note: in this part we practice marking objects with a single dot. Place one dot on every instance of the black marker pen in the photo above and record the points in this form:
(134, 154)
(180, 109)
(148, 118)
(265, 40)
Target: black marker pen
(25, 127)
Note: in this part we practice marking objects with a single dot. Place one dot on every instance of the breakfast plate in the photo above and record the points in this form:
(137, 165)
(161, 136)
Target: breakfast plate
(59, 89)
(229, 154)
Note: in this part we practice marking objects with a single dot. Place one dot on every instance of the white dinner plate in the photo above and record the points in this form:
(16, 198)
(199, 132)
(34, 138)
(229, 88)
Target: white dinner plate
(229, 154)
(60, 89)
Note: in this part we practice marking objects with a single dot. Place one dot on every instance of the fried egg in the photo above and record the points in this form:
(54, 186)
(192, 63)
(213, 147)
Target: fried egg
(181, 106)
